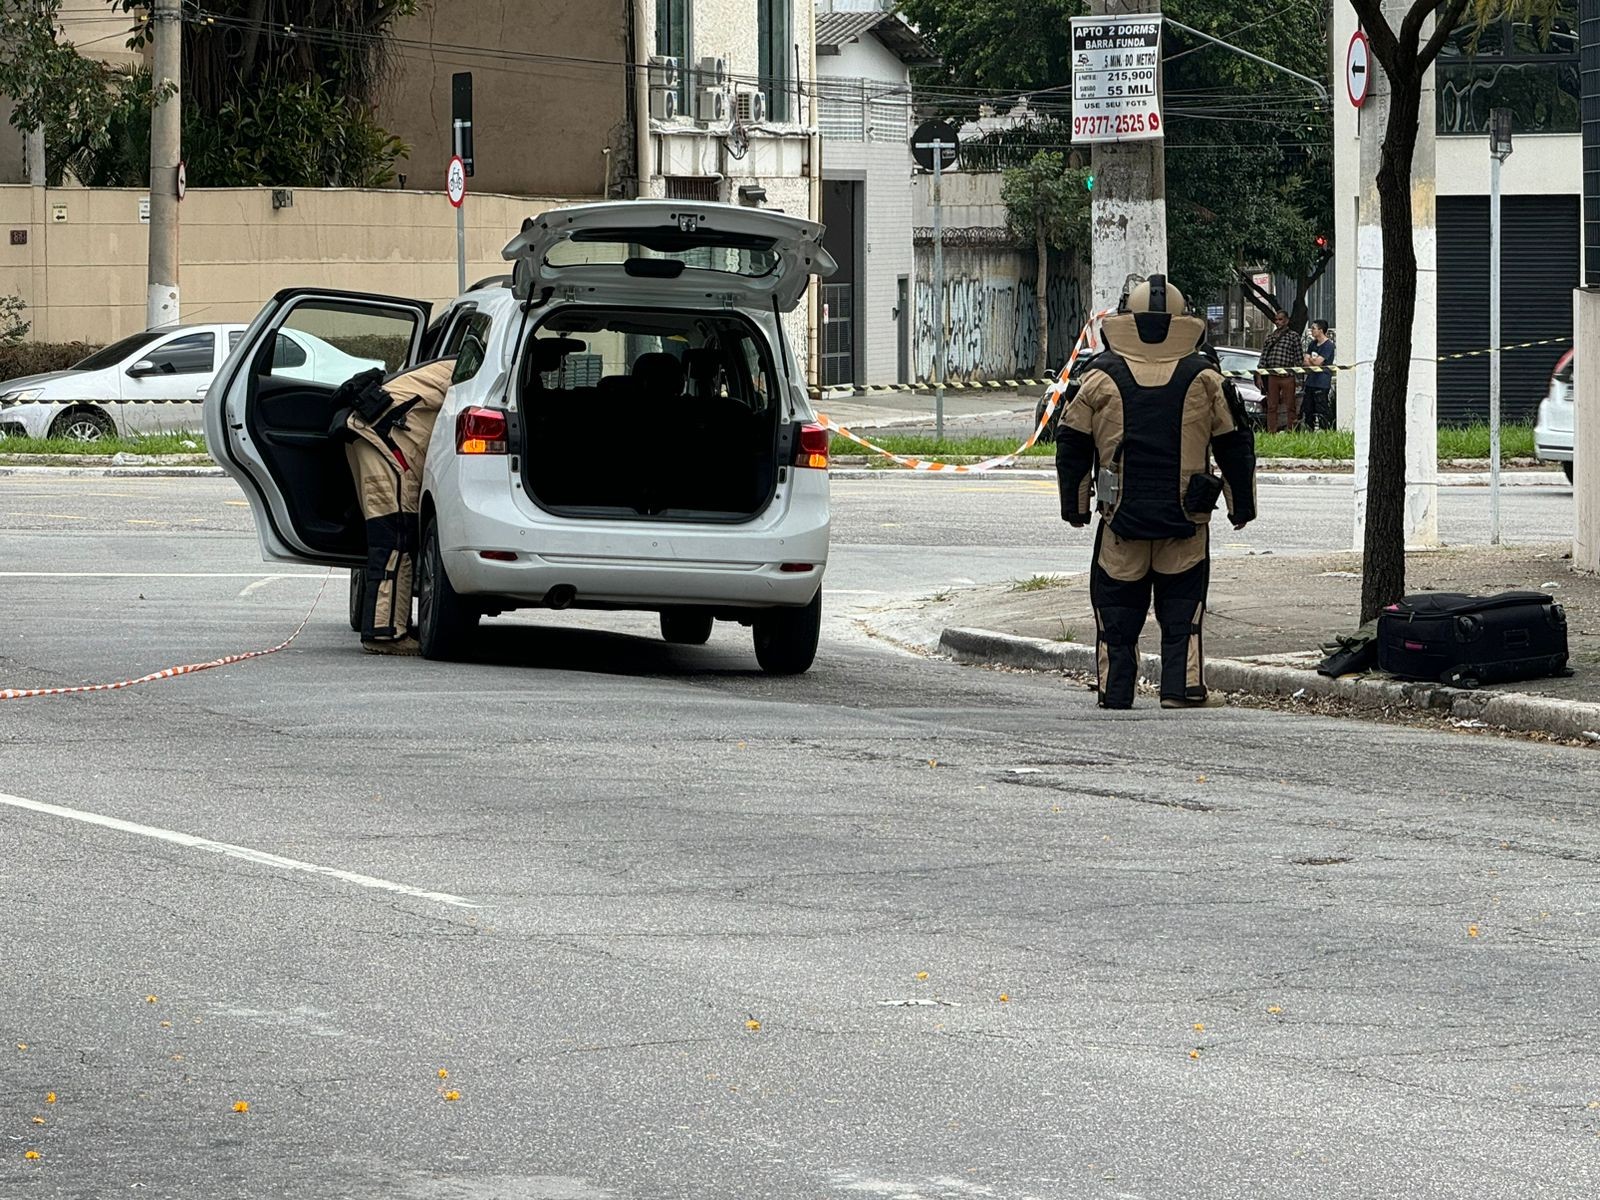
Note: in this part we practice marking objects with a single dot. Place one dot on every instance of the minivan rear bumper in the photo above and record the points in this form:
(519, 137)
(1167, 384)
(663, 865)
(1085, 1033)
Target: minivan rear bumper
(625, 563)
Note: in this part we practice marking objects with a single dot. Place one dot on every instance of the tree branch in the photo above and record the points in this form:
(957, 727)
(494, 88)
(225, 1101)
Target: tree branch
(1322, 265)
(1441, 31)
(1265, 301)
(1385, 47)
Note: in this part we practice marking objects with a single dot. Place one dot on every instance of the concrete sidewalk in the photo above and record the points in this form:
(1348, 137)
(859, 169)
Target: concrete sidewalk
(1269, 614)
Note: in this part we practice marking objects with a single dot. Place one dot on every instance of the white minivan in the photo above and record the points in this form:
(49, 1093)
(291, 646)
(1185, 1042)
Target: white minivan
(627, 428)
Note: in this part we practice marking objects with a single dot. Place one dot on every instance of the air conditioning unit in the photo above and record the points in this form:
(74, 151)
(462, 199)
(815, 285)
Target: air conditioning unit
(663, 71)
(750, 108)
(712, 73)
(663, 104)
(711, 107)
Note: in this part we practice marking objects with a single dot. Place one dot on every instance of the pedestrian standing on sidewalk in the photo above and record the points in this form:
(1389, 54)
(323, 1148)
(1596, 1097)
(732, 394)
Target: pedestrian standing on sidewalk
(1318, 407)
(1139, 439)
(1281, 350)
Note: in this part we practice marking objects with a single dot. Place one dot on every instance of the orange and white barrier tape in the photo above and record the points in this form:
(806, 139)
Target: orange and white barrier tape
(1057, 389)
(170, 672)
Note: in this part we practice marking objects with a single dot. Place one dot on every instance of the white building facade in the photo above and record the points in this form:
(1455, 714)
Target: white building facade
(727, 111)
(1533, 71)
(864, 59)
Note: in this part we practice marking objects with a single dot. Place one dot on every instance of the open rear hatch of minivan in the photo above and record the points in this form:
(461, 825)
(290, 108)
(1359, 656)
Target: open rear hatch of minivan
(651, 413)
(655, 383)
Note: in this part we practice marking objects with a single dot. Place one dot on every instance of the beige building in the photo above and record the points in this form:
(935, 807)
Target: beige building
(713, 97)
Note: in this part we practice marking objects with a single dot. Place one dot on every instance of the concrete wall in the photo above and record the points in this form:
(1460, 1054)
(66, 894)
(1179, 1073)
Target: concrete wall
(992, 314)
(84, 278)
(540, 125)
(970, 201)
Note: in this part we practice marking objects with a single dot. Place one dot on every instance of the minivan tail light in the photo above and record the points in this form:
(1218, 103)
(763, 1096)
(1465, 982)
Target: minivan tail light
(813, 450)
(481, 431)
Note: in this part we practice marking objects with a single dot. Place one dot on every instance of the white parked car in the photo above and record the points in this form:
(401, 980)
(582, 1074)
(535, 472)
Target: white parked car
(627, 429)
(1552, 430)
(110, 392)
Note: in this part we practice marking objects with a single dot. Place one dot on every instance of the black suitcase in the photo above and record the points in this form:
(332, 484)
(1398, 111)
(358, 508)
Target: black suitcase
(1461, 640)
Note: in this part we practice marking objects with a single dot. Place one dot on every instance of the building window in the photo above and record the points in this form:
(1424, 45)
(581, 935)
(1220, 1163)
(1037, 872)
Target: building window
(1527, 65)
(673, 40)
(774, 28)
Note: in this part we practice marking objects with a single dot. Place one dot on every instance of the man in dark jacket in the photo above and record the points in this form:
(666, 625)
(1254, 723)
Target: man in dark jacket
(1139, 437)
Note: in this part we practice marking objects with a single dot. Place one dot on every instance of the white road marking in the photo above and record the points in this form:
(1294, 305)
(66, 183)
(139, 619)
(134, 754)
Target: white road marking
(265, 580)
(260, 857)
(156, 575)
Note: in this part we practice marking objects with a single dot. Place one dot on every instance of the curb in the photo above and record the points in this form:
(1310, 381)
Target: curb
(1517, 711)
(116, 472)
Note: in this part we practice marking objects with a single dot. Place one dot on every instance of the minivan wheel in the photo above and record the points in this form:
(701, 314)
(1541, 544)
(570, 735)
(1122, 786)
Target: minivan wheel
(686, 626)
(1567, 467)
(83, 425)
(445, 621)
(358, 587)
(786, 638)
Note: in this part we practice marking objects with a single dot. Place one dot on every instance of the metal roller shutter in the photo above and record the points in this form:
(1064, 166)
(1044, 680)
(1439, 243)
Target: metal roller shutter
(1538, 270)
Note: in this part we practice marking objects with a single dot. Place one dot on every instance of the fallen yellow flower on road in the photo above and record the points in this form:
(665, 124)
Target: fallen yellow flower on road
(241, 1106)
(1004, 998)
(443, 1074)
(1194, 1054)
(1274, 1009)
(452, 1095)
(752, 1025)
(50, 1099)
(149, 999)
(31, 1154)
(22, 1045)
(922, 974)
(38, 1120)
(166, 1024)
(1199, 1027)
(1472, 931)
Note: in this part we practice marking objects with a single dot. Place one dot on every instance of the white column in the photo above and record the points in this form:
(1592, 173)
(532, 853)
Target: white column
(1586, 431)
(1422, 403)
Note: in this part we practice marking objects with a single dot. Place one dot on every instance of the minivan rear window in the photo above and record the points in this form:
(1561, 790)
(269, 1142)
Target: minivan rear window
(708, 250)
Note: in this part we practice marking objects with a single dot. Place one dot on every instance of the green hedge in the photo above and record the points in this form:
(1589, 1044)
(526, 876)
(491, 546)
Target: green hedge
(35, 358)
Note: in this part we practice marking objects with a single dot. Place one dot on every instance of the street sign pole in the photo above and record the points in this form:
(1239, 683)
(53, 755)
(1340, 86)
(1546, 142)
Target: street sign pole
(461, 220)
(1499, 150)
(938, 293)
(931, 141)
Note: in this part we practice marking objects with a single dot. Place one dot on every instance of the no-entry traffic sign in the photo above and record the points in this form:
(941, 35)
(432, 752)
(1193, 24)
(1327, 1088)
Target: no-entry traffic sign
(1358, 68)
(455, 181)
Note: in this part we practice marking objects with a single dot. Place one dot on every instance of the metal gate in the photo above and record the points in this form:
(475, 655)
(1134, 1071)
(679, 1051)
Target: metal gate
(838, 334)
(1538, 271)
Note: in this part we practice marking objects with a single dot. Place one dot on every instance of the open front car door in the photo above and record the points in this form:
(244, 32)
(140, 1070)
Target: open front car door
(267, 415)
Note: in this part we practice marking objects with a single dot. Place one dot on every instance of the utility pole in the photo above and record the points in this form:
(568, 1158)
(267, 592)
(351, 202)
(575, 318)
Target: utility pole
(1128, 221)
(166, 131)
(938, 292)
(1499, 151)
(39, 296)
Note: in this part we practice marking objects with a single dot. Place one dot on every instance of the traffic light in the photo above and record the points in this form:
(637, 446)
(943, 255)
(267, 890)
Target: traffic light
(1088, 182)
(1322, 241)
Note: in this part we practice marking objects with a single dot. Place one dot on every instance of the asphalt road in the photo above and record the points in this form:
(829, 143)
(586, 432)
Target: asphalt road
(997, 944)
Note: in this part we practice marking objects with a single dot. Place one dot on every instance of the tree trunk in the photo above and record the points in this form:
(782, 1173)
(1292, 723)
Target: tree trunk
(1041, 288)
(1384, 543)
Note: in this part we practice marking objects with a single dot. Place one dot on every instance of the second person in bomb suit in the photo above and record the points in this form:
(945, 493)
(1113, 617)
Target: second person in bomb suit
(1139, 437)
(388, 426)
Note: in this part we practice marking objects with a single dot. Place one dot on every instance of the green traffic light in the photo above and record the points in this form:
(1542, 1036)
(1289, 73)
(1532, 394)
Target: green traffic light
(1088, 183)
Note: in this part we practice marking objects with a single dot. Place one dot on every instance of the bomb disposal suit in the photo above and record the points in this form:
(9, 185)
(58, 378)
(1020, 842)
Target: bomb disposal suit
(1139, 437)
(387, 426)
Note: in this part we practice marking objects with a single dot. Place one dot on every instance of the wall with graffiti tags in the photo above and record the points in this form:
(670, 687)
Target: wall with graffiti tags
(991, 312)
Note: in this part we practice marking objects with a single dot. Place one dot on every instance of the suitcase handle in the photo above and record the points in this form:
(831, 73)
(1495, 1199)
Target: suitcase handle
(1517, 637)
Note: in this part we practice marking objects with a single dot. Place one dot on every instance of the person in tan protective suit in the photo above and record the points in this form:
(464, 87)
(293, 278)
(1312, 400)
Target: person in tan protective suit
(1140, 436)
(387, 426)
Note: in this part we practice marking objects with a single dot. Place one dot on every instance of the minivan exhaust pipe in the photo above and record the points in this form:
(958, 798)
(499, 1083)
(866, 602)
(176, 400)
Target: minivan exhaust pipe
(560, 596)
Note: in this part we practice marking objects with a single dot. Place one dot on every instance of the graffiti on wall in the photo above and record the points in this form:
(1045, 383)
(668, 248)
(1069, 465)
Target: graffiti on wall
(992, 318)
